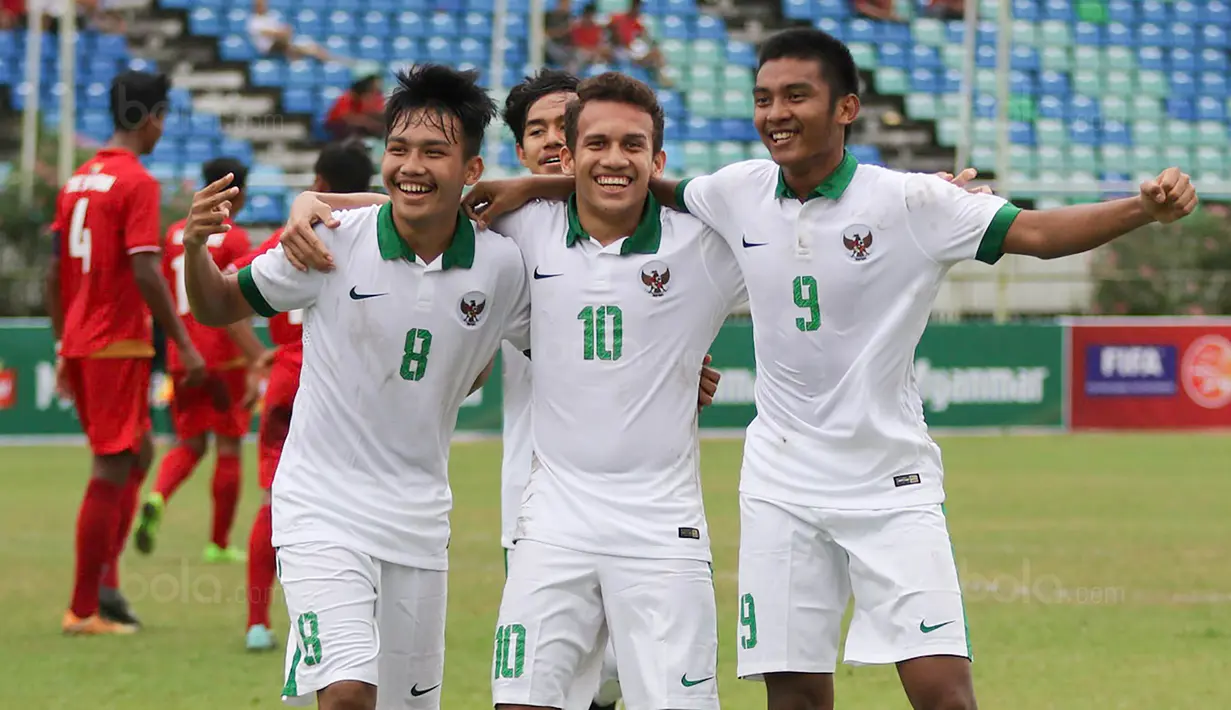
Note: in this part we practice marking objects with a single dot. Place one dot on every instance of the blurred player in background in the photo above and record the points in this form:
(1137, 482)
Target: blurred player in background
(341, 167)
(220, 404)
(104, 281)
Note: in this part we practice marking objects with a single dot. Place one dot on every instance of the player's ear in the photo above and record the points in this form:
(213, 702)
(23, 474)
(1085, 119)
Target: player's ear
(566, 161)
(847, 110)
(474, 169)
(521, 156)
(660, 163)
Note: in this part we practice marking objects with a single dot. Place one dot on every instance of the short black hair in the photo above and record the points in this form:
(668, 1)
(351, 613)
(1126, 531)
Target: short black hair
(837, 66)
(214, 170)
(137, 95)
(346, 166)
(616, 88)
(442, 91)
(521, 97)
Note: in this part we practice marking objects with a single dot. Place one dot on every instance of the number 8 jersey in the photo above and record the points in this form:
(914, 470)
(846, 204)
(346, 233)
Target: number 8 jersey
(391, 348)
(107, 211)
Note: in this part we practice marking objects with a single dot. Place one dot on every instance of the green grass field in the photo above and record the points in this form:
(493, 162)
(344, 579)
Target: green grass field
(1097, 572)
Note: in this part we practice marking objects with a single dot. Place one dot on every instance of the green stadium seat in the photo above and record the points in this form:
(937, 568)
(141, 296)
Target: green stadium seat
(1050, 132)
(986, 81)
(929, 32)
(674, 73)
(1051, 156)
(1146, 160)
(1088, 58)
(1094, 11)
(983, 158)
(707, 51)
(864, 55)
(891, 81)
(989, 8)
(1119, 81)
(953, 56)
(1178, 155)
(1021, 157)
(702, 76)
(1025, 33)
(1021, 108)
(1049, 203)
(1088, 81)
(737, 78)
(698, 157)
(1209, 160)
(1081, 157)
(1119, 57)
(984, 131)
(1211, 133)
(1147, 133)
(737, 104)
(609, 6)
(921, 107)
(703, 102)
(1115, 159)
(949, 105)
(1115, 108)
(1147, 107)
(1055, 33)
(675, 52)
(948, 130)
(1180, 133)
(728, 152)
(1055, 59)
(1152, 83)
(1018, 180)
(758, 151)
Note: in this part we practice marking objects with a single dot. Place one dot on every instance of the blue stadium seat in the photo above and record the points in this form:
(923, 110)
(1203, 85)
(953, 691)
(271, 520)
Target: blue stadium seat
(797, 10)
(109, 45)
(1185, 11)
(1150, 58)
(235, 21)
(444, 24)
(1217, 12)
(204, 21)
(1083, 108)
(924, 57)
(335, 74)
(371, 48)
(163, 172)
(1021, 133)
(236, 48)
(440, 49)
(1214, 36)
(142, 64)
(700, 129)
(515, 27)
(1213, 84)
(1213, 60)
(205, 124)
(673, 27)
(680, 7)
(1054, 83)
(340, 46)
(1210, 109)
(867, 154)
(985, 106)
(1086, 33)
(1182, 35)
(1057, 10)
(95, 96)
(1083, 132)
(985, 56)
(1181, 59)
(200, 150)
(709, 27)
(1115, 133)
(1154, 11)
(741, 53)
(375, 24)
(1027, 10)
(1123, 11)
(1048, 106)
(1120, 34)
(1180, 108)
(298, 100)
(832, 27)
(241, 150)
(95, 124)
(309, 22)
(830, 8)
(924, 81)
(301, 73)
(477, 25)
(473, 51)
(175, 125)
(893, 55)
(1025, 59)
(860, 30)
(737, 129)
(411, 24)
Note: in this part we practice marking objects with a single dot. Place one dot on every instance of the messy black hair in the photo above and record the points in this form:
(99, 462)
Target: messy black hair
(439, 91)
(521, 97)
(616, 88)
(136, 96)
(837, 66)
(214, 170)
(345, 167)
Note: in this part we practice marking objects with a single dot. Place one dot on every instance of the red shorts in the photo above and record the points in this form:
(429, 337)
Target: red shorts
(276, 417)
(213, 406)
(112, 397)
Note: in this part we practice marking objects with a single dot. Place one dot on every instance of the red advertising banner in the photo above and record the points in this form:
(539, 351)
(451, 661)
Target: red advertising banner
(1149, 373)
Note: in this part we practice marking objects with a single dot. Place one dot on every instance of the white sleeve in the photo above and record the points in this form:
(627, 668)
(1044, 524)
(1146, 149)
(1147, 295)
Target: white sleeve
(271, 285)
(723, 270)
(952, 225)
(709, 197)
(517, 329)
(529, 222)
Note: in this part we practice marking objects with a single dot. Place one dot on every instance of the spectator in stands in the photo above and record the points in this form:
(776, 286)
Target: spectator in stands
(946, 9)
(11, 12)
(273, 37)
(633, 42)
(558, 29)
(360, 112)
(590, 38)
(877, 9)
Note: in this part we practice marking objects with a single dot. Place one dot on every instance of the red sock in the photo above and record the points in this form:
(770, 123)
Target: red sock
(262, 566)
(176, 467)
(96, 527)
(226, 497)
(129, 498)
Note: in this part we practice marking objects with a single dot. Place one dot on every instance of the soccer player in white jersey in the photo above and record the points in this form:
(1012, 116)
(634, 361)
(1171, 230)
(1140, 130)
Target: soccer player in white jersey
(841, 488)
(395, 337)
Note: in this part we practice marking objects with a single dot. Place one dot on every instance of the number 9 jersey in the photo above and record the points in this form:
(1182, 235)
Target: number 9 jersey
(108, 210)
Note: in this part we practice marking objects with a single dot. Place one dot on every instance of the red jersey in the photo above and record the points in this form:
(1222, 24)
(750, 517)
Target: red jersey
(285, 329)
(350, 103)
(107, 211)
(214, 344)
(587, 36)
(626, 28)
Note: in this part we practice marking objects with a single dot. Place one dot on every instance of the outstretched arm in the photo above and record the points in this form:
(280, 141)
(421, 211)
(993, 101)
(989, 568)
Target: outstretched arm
(303, 248)
(215, 298)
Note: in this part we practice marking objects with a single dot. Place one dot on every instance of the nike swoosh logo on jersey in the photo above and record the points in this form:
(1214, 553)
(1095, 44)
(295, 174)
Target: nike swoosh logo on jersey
(749, 245)
(924, 628)
(690, 683)
(415, 692)
(537, 275)
(356, 296)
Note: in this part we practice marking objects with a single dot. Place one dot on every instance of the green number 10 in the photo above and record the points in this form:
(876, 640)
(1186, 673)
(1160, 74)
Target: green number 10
(806, 297)
(595, 320)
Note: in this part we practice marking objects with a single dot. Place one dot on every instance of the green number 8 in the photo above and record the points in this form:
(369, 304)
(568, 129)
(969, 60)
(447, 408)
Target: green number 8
(309, 636)
(414, 356)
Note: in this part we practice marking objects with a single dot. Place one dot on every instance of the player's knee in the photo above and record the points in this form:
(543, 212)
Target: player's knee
(799, 691)
(228, 446)
(347, 695)
(954, 698)
(114, 467)
(195, 444)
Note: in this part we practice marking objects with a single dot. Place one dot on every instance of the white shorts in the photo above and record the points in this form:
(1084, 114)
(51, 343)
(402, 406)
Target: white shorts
(357, 618)
(559, 606)
(799, 566)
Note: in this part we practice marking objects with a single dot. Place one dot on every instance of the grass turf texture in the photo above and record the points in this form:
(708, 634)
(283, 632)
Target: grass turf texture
(1097, 572)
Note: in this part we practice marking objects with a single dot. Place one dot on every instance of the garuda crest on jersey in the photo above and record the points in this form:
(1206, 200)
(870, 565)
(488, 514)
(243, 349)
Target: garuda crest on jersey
(857, 239)
(655, 275)
(471, 307)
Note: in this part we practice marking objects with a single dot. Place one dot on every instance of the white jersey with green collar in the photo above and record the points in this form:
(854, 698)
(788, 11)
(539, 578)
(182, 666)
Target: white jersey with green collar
(392, 346)
(841, 286)
(618, 336)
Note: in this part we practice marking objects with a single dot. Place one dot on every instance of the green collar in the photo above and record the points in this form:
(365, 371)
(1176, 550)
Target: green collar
(459, 253)
(831, 187)
(644, 239)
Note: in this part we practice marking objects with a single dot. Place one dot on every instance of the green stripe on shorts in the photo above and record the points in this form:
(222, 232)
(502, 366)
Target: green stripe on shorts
(965, 620)
(291, 688)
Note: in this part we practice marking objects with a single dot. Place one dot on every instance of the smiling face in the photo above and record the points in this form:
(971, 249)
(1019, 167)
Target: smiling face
(614, 158)
(543, 138)
(425, 167)
(795, 112)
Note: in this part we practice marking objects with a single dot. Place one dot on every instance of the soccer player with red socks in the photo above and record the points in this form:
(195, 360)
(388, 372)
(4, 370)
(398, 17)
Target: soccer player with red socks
(341, 167)
(103, 284)
(219, 404)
